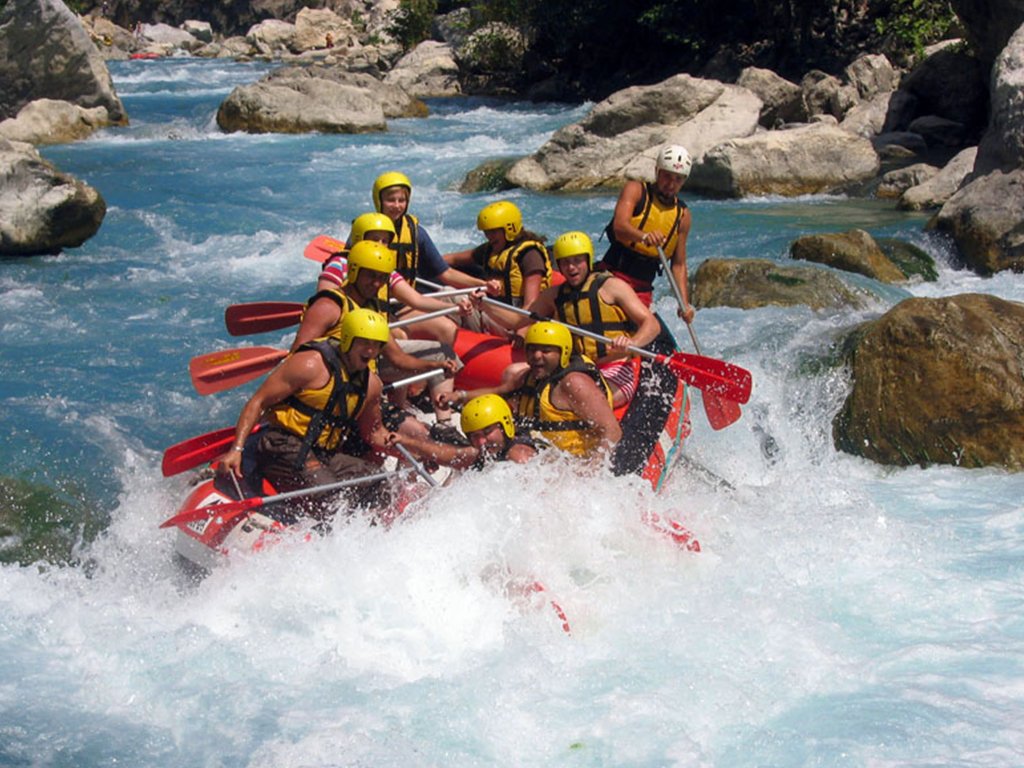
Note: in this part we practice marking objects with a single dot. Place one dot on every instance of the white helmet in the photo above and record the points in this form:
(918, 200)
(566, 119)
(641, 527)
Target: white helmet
(674, 159)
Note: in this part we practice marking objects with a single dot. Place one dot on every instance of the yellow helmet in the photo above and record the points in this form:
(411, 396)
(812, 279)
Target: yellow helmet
(363, 324)
(367, 254)
(371, 222)
(574, 244)
(386, 180)
(501, 215)
(546, 333)
(485, 411)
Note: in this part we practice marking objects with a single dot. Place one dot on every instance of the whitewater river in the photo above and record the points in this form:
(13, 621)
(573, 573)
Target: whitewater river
(840, 613)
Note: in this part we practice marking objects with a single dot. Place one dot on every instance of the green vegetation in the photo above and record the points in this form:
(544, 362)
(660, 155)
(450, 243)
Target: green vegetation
(913, 24)
(411, 23)
(607, 44)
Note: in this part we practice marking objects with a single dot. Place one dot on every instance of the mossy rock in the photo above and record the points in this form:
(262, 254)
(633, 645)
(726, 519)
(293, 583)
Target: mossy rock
(489, 176)
(911, 260)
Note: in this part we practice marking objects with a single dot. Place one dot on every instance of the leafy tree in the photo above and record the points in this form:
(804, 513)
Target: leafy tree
(412, 22)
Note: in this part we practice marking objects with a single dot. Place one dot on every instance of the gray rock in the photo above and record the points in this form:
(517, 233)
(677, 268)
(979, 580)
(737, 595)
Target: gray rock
(782, 100)
(41, 209)
(172, 37)
(300, 106)
(984, 218)
(988, 24)
(867, 118)
(895, 183)
(808, 160)
(46, 52)
(619, 137)
(46, 121)
(200, 30)
(824, 94)
(1003, 143)
(872, 74)
(932, 192)
(428, 70)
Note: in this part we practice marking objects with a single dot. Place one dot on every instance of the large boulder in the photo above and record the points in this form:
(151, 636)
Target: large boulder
(808, 160)
(46, 52)
(428, 70)
(170, 38)
(271, 37)
(1003, 144)
(47, 121)
(986, 216)
(752, 283)
(949, 84)
(300, 106)
(782, 100)
(316, 98)
(872, 74)
(619, 137)
(825, 94)
(41, 209)
(938, 381)
(988, 24)
(318, 28)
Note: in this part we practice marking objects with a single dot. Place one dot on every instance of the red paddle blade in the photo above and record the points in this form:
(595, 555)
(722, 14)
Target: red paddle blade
(261, 316)
(721, 412)
(228, 511)
(322, 247)
(195, 451)
(217, 371)
(712, 376)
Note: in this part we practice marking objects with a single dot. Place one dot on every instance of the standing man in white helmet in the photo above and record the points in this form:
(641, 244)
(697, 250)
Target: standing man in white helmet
(648, 216)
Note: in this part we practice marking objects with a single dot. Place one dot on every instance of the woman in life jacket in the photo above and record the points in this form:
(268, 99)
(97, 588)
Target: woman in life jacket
(513, 256)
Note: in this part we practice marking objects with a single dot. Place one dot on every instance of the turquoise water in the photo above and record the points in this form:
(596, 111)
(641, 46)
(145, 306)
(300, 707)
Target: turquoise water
(841, 613)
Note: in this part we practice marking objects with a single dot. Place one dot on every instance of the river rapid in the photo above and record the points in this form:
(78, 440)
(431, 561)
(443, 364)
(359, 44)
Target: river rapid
(841, 613)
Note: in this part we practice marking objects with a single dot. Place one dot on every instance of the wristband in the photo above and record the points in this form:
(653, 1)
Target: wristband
(237, 448)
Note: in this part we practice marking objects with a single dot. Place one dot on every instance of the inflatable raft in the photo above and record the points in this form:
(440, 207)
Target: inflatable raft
(654, 424)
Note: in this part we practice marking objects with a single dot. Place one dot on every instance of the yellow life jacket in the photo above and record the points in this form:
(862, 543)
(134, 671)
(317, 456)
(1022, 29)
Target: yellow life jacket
(636, 259)
(506, 267)
(326, 416)
(345, 304)
(584, 307)
(406, 246)
(563, 429)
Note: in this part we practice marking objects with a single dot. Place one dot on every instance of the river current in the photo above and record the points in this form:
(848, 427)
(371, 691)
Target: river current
(841, 613)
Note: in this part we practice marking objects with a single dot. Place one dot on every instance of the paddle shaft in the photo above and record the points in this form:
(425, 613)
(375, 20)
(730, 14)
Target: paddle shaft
(638, 351)
(202, 449)
(233, 508)
(720, 413)
(415, 464)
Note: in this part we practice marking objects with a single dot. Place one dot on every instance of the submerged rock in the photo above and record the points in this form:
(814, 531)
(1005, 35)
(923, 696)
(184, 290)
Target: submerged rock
(938, 381)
